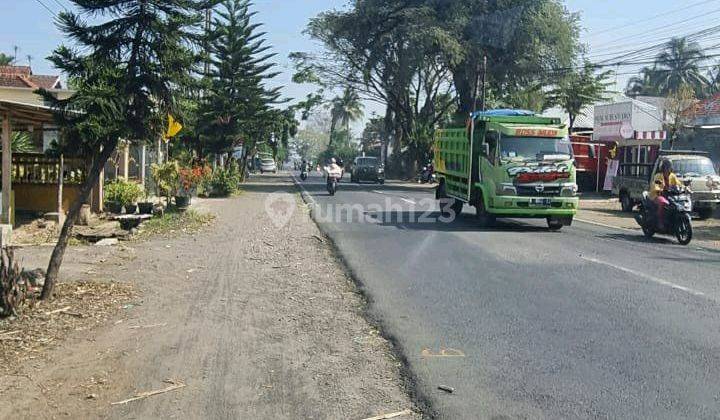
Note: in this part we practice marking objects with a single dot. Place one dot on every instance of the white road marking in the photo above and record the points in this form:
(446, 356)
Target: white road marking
(590, 222)
(646, 276)
(408, 201)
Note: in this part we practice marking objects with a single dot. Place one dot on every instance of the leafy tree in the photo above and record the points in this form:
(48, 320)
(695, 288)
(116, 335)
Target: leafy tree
(679, 65)
(238, 104)
(645, 84)
(125, 65)
(680, 107)
(6, 60)
(578, 89)
(346, 109)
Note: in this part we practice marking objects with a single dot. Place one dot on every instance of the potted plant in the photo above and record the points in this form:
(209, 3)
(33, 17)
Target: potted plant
(132, 193)
(146, 206)
(113, 196)
(166, 179)
(188, 180)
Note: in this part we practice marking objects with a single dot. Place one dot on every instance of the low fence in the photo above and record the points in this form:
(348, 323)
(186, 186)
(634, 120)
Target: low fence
(35, 181)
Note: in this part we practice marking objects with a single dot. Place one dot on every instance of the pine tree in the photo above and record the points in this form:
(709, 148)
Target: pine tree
(238, 104)
(124, 67)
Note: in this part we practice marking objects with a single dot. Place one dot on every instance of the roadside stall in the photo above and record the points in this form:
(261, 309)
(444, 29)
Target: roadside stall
(635, 129)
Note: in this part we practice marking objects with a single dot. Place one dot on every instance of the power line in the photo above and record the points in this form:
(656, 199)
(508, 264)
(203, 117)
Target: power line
(645, 34)
(635, 21)
(52, 12)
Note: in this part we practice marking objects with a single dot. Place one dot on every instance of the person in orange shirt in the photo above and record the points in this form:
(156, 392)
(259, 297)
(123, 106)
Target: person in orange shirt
(662, 183)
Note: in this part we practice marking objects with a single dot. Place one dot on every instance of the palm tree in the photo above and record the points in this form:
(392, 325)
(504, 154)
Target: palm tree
(6, 60)
(345, 109)
(644, 84)
(679, 65)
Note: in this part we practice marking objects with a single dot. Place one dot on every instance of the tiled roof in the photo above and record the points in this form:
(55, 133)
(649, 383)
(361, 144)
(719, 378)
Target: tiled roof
(708, 107)
(22, 77)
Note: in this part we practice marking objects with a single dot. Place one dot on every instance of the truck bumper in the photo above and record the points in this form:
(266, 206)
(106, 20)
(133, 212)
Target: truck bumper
(514, 206)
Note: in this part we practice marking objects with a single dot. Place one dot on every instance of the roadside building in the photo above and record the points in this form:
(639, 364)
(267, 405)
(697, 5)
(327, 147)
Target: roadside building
(703, 133)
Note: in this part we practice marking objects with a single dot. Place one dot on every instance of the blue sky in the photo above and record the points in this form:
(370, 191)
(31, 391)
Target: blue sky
(609, 26)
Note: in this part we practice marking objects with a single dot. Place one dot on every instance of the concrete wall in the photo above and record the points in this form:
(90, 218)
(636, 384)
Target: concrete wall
(42, 198)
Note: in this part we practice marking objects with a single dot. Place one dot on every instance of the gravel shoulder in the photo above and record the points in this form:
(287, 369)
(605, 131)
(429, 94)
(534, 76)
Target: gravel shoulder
(256, 320)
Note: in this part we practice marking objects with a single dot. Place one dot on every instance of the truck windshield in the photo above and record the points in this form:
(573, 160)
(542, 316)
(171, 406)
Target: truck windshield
(693, 167)
(534, 148)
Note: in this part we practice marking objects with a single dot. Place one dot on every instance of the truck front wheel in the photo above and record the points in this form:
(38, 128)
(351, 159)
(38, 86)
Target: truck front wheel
(554, 224)
(484, 218)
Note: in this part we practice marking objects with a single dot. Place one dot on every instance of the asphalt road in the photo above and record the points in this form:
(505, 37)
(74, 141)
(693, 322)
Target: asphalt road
(589, 322)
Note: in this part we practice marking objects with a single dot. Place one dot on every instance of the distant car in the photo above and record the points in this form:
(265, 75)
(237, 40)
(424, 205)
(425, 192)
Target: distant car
(268, 165)
(367, 169)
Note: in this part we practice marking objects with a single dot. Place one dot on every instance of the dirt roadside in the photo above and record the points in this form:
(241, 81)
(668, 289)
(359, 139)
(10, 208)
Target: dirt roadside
(256, 320)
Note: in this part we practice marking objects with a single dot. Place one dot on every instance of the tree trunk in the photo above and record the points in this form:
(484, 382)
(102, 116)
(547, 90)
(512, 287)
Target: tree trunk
(59, 251)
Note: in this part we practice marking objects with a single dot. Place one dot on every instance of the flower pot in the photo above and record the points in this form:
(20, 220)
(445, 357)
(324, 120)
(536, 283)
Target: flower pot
(182, 202)
(146, 207)
(114, 207)
(131, 208)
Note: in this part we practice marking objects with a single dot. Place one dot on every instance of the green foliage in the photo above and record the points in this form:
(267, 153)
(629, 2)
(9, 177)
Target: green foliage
(677, 66)
(340, 147)
(225, 182)
(123, 192)
(166, 177)
(238, 105)
(21, 142)
(6, 60)
(173, 222)
(125, 66)
(578, 89)
(345, 109)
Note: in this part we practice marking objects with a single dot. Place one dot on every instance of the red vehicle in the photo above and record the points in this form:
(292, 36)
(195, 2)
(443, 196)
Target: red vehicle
(590, 161)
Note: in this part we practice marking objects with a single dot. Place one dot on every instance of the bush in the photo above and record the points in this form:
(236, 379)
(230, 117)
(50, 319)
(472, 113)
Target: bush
(166, 177)
(225, 181)
(123, 192)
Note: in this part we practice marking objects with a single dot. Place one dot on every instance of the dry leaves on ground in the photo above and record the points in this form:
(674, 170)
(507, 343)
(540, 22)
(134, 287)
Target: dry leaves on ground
(77, 306)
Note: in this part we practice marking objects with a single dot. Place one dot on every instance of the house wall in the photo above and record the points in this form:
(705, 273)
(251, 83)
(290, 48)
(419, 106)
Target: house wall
(42, 198)
(27, 95)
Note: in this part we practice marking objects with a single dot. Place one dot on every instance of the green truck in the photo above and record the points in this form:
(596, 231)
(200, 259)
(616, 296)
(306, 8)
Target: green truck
(507, 163)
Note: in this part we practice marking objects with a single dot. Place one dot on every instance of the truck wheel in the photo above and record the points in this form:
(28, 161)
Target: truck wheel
(626, 202)
(554, 224)
(484, 219)
(705, 214)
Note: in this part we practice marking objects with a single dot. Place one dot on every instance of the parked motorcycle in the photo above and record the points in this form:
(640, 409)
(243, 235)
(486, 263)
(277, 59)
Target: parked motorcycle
(678, 221)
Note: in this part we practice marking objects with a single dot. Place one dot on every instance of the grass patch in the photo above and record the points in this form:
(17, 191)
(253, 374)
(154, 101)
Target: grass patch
(173, 222)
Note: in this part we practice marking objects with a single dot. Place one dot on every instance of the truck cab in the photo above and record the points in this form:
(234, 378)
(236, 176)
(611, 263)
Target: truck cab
(508, 163)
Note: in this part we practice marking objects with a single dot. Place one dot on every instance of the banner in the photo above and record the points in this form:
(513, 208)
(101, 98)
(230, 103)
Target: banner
(612, 171)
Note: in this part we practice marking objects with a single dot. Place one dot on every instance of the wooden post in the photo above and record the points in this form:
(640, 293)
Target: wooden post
(143, 162)
(6, 168)
(61, 179)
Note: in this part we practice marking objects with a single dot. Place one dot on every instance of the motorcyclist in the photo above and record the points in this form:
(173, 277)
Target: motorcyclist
(333, 167)
(662, 183)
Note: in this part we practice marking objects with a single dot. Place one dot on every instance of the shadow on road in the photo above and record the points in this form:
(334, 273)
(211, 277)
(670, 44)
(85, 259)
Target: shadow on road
(434, 221)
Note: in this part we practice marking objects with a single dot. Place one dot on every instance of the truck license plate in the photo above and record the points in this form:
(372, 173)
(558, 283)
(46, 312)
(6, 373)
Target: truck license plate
(540, 202)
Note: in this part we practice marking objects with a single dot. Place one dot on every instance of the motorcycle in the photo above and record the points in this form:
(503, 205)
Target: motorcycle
(304, 173)
(333, 179)
(427, 175)
(677, 215)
